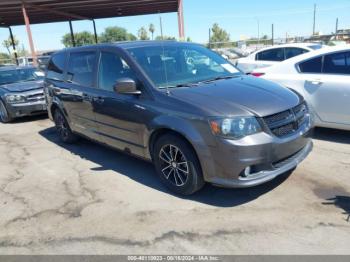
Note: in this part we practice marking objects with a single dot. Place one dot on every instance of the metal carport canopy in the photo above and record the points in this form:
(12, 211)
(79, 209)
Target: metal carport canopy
(47, 11)
(19, 12)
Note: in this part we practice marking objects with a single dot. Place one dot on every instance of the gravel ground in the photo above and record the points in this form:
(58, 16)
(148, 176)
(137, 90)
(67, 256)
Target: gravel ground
(87, 199)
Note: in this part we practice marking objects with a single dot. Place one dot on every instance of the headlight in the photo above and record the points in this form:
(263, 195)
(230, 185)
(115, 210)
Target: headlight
(13, 99)
(235, 128)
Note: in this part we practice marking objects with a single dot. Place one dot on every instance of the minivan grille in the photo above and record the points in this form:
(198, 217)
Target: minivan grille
(287, 122)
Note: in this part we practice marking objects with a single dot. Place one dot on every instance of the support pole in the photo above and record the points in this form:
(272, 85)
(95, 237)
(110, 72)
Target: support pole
(314, 24)
(161, 27)
(180, 18)
(13, 45)
(272, 35)
(71, 33)
(258, 21)
(209, 38)
(336, 29)
(29, 33)
(95, 32)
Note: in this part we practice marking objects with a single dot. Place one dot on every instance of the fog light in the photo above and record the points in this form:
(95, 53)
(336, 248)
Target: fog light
(247, 171)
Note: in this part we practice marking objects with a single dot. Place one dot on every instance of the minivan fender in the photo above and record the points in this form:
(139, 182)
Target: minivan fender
(184, 128)
(56, 103)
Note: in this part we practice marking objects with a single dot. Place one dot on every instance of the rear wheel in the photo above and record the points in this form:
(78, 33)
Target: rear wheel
(65, 133)
(4, 115)
(177, 165)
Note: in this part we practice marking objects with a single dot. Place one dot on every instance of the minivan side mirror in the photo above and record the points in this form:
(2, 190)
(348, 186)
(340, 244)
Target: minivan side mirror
(126, 86)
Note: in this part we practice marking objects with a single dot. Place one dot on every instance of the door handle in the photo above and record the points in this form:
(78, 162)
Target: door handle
(315, 82)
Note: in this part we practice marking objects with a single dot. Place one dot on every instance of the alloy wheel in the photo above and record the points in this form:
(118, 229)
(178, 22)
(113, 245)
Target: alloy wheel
(61, 126)
(174, 165)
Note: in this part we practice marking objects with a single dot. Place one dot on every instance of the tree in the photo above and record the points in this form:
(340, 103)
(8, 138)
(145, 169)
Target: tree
(188, 39)
(142, 33)
(21, 51)
(219, 35)
(115, 34)
(152, 29)
(4, 58)
(7, 43)
(81, 39)
(165, 38)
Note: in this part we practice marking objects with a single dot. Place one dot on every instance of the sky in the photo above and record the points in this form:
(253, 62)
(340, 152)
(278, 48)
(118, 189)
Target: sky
(238, 18)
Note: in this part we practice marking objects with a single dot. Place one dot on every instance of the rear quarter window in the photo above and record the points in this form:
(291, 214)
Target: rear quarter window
(338, 63)
(81, 68)
(55, 68)
(293, 51)
(311, 66)
(276, 54)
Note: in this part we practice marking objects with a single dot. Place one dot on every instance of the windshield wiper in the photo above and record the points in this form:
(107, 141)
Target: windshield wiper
(181, 85)
(200, 82)
(217, 78)
(187, 85)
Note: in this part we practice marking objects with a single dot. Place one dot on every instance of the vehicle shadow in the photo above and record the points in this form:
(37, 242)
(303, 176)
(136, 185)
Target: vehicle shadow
(342, 202)
(332, 135)
(26, 119)
(144, 173)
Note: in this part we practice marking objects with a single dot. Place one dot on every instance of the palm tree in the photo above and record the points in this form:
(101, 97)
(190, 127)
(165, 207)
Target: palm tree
(152, 29)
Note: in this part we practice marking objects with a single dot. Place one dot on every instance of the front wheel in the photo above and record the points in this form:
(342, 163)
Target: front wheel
(4, 115)
(177, 165)
(65, 133)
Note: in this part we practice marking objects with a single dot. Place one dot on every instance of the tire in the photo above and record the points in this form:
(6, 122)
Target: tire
(4, 114)
(65, 133)
(177, 165)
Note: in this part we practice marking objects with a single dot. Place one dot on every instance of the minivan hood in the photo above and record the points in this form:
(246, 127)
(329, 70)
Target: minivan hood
(244, 95)
(23, 86)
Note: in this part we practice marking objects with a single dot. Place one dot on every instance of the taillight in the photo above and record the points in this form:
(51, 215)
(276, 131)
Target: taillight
(257, 74)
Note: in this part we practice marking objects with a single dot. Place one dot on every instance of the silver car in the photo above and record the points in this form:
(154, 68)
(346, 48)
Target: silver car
(21, 92)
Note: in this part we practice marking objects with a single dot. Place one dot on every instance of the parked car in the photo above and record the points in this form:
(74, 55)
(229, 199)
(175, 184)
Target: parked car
(21, 92)
(28, 61)
(323, 78)
(231, 54)
(273, 55)
(198, 122)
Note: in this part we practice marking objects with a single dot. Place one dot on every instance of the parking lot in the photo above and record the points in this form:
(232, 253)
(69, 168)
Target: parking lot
(88, 199)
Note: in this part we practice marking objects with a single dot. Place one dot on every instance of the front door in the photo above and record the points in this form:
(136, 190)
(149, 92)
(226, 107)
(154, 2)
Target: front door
(121, 118)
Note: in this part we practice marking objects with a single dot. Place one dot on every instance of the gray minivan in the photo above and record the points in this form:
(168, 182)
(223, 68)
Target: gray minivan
(181, 106)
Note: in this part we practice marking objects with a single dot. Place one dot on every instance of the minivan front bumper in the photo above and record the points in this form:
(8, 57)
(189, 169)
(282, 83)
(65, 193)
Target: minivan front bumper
(255, 159)
(265, 175)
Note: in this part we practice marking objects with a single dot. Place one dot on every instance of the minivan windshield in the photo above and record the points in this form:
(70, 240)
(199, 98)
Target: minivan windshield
(20, 75)
(182, 65)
